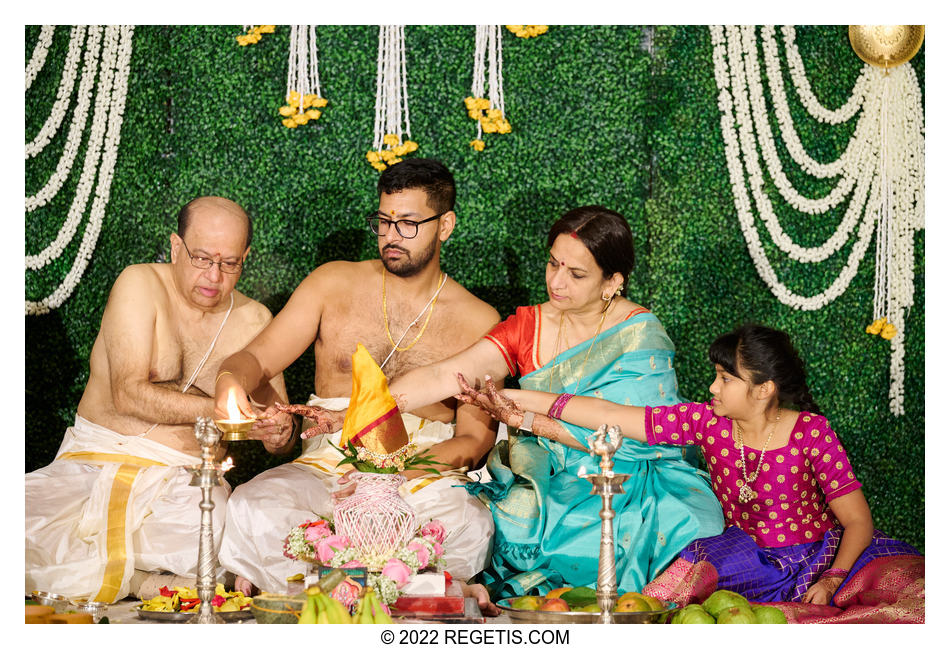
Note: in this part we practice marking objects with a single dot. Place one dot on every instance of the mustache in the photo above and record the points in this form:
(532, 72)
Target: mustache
(392, 246)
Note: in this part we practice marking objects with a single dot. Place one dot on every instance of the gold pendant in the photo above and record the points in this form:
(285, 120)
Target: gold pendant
(745, 493)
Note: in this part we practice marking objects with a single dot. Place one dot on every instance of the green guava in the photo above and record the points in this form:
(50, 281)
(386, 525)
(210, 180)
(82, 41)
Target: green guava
(768, 615)
(736, 615)
(692, 614)
(723, 599)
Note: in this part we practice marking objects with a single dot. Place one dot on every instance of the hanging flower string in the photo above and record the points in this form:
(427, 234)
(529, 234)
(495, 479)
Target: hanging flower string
(391, 124)
(40, 50)
(304, 99)
(527, 31)
(101, 155)
(881, 170)
(488, 112)
(253, 34)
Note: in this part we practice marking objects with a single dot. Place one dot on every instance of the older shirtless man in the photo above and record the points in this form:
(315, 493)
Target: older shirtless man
(116, 499)
(407, 313)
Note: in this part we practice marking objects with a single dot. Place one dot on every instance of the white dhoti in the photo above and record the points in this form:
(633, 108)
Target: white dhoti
(107, 505)
(262, 511)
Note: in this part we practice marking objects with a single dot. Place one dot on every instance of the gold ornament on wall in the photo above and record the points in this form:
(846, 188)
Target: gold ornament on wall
(886, 46)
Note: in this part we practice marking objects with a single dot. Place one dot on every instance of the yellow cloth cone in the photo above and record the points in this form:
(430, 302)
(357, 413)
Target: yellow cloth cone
(373, 419)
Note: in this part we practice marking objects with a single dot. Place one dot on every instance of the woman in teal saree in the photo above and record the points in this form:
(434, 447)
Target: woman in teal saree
(547, 523)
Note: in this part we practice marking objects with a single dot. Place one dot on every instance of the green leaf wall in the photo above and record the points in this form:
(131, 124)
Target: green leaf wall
(622, 116)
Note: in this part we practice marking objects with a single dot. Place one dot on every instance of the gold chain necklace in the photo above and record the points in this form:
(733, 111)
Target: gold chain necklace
(432, 301)
(745, 491)
(557, 349)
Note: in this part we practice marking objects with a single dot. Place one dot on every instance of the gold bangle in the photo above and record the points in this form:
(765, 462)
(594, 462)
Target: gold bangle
(220, 374)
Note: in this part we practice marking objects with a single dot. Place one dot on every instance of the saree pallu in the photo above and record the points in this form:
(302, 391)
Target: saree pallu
(547, 523)
(886, 583)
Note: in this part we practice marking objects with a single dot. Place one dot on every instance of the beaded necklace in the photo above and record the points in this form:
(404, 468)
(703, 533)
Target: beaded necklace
(746, 493)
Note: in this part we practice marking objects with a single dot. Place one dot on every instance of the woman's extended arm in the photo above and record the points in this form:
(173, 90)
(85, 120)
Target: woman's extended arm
(509, 407)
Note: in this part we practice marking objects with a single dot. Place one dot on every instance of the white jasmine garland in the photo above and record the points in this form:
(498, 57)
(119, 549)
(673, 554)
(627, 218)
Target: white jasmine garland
(91, 163)
(76, 129)
(40, 50)
(797, 71)
(65, 91)
(488, 39)
(881, 169)
(112, 93)
(303, 74)
(392, 94)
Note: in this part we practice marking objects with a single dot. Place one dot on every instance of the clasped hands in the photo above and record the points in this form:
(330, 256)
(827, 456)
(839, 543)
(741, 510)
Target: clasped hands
(493, 402)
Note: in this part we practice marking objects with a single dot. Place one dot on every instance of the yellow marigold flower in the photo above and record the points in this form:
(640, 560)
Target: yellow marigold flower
(888, 331)
(313, 114)
(293, 95)
(287, 111)
(395, 160)
(372, 156)
(478, 145)
(254, 37)
(242, 40)
(387, 155)
(475, 114)
(489, 126)
(514, 28)
(390, 139)
(470, 103)
(493, 113)
(411, 146)
(504, 127)
(289, 123)
(379, 166)
(319, 102)
(300, 118)
(402, 149)
(267, 29)
(875, 327)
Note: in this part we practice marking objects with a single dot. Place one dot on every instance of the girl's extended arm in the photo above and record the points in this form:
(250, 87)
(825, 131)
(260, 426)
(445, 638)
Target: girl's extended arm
(853, 513)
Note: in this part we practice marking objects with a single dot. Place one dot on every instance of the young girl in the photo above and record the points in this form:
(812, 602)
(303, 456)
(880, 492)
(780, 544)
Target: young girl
(798, 526)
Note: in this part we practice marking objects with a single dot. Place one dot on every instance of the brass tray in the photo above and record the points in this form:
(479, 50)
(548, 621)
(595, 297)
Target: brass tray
(184, 616)
(522, 616)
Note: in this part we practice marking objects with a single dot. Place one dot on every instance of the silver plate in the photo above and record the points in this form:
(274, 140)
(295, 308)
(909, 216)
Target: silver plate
(184, 616)
(522, 616)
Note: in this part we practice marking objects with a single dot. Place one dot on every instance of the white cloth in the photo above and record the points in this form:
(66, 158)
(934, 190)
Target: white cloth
(107, 505)
(262, 511)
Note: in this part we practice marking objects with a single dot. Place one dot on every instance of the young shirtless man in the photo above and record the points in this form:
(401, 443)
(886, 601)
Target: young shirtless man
(116, 499)
(407, 313)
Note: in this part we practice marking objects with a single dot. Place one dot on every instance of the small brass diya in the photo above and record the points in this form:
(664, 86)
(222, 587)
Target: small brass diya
(234, 430)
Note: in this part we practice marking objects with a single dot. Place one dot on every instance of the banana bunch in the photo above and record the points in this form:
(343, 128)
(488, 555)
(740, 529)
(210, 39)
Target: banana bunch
(320, 608)
(369, 610)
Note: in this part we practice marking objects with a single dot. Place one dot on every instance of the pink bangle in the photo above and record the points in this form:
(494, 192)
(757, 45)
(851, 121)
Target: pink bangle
(835, 572)
(554, 412)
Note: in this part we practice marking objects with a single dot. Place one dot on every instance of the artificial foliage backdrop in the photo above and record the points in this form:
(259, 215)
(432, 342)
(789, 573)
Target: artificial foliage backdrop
(622, 116)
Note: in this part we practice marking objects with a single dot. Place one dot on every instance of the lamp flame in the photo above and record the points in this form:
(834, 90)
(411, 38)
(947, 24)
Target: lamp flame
(234, 413)
(227, 464)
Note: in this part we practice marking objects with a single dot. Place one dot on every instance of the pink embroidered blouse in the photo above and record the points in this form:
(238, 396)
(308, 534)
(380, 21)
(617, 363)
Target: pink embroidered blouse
(794, 486)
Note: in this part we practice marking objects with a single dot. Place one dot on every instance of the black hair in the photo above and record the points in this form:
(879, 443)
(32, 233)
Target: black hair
(767, 355)
(427, 174)
(185, 213)
(606, 235)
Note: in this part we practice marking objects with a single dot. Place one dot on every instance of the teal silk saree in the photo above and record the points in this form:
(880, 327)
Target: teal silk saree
(547, 523)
